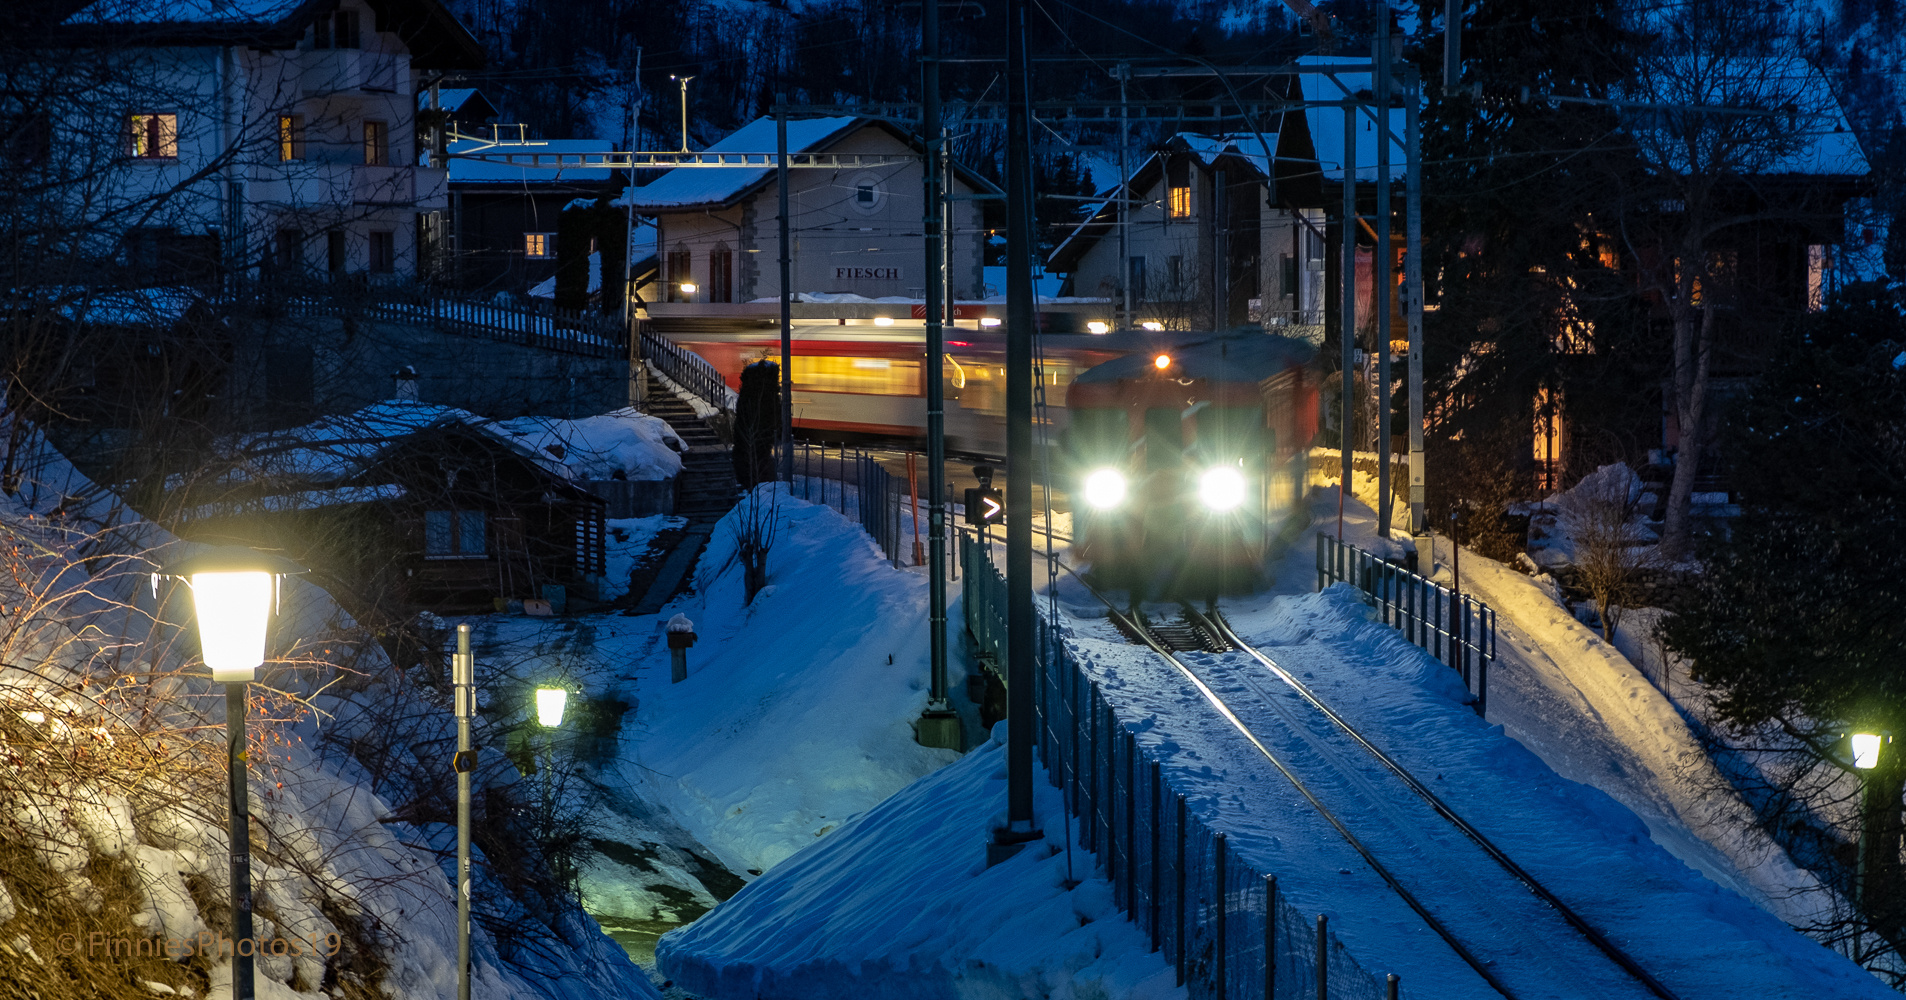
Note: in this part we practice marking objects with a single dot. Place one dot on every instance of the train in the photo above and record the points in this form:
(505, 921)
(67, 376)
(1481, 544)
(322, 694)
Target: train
(1188, 464)
(862, 380)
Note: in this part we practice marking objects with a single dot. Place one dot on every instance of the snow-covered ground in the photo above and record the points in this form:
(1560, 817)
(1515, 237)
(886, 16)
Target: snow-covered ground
(899, 903)
(795, 716)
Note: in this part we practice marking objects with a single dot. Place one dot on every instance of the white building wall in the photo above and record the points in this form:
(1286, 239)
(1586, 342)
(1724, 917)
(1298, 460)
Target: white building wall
(839, 243)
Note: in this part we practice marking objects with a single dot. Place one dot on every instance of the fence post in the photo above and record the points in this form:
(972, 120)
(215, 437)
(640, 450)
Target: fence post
(1390, 990)
(1223, 901)
(1158, 833)
(1092, 776)
(1320, 560)
(1178, 874)
(1131, 821)
(1323, 957)
(1482, 679)
(1270, 937)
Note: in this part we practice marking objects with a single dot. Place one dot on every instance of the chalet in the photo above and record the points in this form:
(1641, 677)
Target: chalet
(430, 506)
(503, 221)
(255, 138)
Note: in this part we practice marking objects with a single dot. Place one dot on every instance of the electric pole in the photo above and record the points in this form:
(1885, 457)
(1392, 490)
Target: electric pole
(1382, 284)
(1019, 829)
(939, 726)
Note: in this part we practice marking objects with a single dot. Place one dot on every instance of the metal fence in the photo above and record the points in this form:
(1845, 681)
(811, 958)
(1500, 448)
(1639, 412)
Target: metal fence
(856, 484)
(1220, 922)
(687, 369)
(531, 322)
(1455, 628)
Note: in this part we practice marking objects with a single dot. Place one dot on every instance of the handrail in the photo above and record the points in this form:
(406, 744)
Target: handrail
(533, 323)
(687, 369)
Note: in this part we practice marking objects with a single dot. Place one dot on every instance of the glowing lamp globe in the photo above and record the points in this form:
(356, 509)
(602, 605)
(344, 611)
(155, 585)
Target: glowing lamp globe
(1097, 327)
(1162, 362)
(234, 589)
(1866, 749)
(549, 706)
(689, 287)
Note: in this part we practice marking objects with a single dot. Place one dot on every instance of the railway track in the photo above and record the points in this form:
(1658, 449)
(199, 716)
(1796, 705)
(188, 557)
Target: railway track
(1492, 912)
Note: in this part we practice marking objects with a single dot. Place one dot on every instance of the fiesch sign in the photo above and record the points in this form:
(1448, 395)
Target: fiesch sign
(866, 274)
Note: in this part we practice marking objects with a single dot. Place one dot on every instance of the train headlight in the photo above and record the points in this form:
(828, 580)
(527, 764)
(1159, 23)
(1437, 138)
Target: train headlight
(1105, 489)
(1221, 488)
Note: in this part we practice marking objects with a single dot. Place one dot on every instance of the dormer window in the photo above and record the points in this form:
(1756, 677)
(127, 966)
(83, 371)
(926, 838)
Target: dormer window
(864, 194)
(336, 30)
(153, 136)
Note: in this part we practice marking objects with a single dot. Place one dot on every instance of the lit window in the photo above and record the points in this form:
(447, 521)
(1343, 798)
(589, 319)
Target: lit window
(875, 376)
(1180, 202)
(290, 137)
(153, 136)
(376, 144)
(539, 244)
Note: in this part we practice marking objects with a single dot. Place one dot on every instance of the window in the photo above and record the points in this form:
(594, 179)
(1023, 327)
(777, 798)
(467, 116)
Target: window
(1137, 265)
(1288, 287)
(376, 144)
(1175, 273)
(721, 275)
(383, 252)
(875, 376)
(334, 255)
(1180, 202)
(290, 137)
(153, 136)
(678, 275)
(454, 534)
(337, 30)
(864, 194)
(290, 249)
(539, 245)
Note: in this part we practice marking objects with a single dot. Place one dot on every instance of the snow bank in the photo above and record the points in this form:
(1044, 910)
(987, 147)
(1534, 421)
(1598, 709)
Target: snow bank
(797, 710)
(627, 544)
(899, 903)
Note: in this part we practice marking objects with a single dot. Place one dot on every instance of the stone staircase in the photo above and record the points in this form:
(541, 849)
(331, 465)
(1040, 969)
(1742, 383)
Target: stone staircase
(707, 488)
(704, 493)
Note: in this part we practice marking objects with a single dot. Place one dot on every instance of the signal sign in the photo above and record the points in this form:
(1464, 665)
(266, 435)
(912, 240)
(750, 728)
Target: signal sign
(985, 506)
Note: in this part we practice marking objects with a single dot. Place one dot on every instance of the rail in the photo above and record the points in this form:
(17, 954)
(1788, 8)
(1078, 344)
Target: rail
(531, 323)
(1457, 629)
(687, 369)
(1222, 924)
(1223, 629)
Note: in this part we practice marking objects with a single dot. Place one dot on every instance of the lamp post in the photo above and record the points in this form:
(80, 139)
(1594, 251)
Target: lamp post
(463, 678)
(234, 591)
(1866, 756)
(683, 80)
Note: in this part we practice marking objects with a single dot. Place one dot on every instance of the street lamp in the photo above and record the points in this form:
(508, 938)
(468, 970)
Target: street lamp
(234, 592)
(1866, 756)
(549, 715)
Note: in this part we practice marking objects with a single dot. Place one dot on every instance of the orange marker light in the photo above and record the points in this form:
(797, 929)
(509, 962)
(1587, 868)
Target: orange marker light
(1163, 361)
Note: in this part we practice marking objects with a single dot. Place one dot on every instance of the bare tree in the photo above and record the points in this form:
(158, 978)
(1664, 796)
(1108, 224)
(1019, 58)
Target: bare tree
(1726, 132)
(1598, 515)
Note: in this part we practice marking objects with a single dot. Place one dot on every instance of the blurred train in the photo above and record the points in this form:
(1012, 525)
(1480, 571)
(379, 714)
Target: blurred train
(1187, 464)
(859, 379)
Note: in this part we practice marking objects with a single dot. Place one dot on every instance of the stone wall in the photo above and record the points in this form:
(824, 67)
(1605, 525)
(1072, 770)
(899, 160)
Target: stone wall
(290, 369)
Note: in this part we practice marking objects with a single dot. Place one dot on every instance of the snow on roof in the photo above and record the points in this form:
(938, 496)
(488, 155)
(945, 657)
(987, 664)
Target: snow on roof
(336, 448)
(1822, 141)
(694, 186)
(542, 161)
(1326, 124)
(133, 306)
(1245, 145)
(184, 12)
